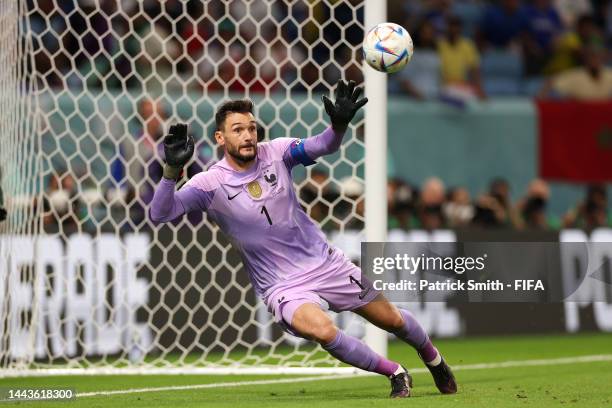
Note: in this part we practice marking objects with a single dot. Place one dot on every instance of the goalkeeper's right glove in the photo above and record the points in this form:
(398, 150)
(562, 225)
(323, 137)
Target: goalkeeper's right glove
(178, 149)
(346, 104)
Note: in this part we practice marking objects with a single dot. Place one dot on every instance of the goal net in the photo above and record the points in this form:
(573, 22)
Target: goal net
(87, 90)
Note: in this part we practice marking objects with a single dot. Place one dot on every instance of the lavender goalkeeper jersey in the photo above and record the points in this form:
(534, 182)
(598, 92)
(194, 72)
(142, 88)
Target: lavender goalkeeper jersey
(258, 209)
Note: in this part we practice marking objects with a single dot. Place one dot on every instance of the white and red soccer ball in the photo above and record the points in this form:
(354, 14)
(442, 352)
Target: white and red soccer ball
(387, 47)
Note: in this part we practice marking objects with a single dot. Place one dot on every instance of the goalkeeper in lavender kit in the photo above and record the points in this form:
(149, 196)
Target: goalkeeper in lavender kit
(250, 195)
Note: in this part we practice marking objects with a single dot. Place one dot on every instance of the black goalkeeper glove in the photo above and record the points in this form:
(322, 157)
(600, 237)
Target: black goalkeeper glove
(178, 148)
(2, 214)
(346, 105)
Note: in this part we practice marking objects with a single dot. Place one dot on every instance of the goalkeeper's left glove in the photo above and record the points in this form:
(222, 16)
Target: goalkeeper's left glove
(178, 149)
(346, 105)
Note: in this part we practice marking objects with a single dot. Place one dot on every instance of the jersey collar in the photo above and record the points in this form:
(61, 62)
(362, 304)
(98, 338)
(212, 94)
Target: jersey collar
(240, 177)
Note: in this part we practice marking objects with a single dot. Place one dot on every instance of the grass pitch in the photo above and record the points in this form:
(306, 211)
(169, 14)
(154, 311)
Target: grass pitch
(553, 383)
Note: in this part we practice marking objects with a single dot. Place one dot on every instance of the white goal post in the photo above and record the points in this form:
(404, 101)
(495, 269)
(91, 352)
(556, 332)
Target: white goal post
(88, 285)
(376, 160)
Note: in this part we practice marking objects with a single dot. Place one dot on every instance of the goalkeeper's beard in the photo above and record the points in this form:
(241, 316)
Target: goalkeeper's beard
(239, 157)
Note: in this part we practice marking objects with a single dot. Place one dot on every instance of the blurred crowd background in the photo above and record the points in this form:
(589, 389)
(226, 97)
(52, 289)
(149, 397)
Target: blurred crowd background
(69, 208)
(434, 206)
(465, 50)
(485, 48)
(537, 48)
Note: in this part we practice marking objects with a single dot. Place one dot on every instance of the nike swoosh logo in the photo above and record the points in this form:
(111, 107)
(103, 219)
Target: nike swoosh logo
(364, 293)
(234, 196)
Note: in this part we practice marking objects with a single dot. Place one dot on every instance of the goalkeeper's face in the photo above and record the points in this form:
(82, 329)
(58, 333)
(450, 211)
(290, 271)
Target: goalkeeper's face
(239, 136)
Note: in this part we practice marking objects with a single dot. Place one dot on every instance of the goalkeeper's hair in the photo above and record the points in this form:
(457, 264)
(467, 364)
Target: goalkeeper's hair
(235, 106)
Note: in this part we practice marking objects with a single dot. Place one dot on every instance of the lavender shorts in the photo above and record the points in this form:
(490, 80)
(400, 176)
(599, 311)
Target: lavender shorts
(340, 284)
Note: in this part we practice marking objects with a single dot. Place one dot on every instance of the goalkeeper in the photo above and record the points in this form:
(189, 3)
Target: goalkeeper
(250, 195)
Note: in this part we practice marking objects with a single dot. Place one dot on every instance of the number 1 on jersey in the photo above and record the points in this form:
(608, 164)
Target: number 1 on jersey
(264, 210)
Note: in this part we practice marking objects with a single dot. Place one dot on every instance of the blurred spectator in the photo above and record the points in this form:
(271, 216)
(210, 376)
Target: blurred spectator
(591, 82)
(489, 212)
(60, 205)
(431, 200)
(437, 13)
(543, 28)
(494, 209)
(590, 213)
(534, 213)
(409, 14)
(569, 10)
(460, 62)
(92, 205)
(499, 189)
(595, 216)
(603, 17)
(459, 210)
(421, 78)
(533, 206)
(350, 208)
(502, 24)
(318, 196)
(400, 204)
(567, 53)
(597, 194)
(538, 188)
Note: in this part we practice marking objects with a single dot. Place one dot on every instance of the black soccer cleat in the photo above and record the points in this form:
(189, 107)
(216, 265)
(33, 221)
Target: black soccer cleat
(443, 377)
(401, 384)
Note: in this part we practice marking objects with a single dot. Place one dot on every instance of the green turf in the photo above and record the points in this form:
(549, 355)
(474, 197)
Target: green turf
(572, 385)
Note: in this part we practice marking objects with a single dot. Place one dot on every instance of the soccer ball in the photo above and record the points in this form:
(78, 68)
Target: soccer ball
(387, 47)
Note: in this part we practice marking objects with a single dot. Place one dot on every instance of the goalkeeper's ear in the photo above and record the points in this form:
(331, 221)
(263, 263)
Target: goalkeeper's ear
(219, 138)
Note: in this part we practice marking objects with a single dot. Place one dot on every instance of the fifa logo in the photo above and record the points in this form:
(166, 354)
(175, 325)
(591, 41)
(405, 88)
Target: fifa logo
(271, 179)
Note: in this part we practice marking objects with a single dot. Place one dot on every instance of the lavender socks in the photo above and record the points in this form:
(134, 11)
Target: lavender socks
(354, 352)
(414, 334)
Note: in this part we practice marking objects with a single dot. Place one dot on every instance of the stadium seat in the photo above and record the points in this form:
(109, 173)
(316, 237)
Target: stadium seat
(531, 86)
(501, 87)
(501, 73)
(470, 13)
